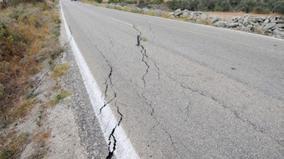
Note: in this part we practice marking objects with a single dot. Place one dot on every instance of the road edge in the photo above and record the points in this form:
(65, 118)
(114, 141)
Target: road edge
(106, 118)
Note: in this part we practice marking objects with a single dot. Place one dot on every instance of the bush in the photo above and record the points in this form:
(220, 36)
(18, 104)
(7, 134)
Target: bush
(222, 6)
(260, 10)
(114, 1)
(183, 4)
(256, 6)
(156, 1)
(279, 7)
(247, 5)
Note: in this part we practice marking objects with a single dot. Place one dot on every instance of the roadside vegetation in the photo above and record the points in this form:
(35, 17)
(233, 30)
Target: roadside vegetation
(248, 6)
(213, 12)
(255, 6)
(29, 32)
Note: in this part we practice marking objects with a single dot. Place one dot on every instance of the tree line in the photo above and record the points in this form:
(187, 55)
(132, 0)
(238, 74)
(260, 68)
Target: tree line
(257, 6)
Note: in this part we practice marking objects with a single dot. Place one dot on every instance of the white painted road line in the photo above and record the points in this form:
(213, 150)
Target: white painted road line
(106, 118)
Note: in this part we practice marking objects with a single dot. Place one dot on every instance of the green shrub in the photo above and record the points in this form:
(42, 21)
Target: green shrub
(247, 5)
(260, 10)
(156, 1)
(279, 7)
(222, 6)
(99, 1)
(256, 6)
(183, 4)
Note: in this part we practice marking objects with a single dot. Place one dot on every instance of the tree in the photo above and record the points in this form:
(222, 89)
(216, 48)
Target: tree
(278, 7)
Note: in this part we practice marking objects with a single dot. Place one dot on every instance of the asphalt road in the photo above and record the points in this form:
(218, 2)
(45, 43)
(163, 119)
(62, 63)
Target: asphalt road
(187, 91)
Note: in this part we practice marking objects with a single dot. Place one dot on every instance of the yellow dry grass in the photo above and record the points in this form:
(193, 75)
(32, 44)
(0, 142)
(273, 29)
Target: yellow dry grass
(59, 70)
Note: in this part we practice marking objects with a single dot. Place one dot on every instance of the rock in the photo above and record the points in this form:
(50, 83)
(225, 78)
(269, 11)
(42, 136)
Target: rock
(269, 26)
(256, 19)
(178, 12)
(250, 28)
(280, 27)
(236, 19)
(266, 21)
(278, 33)
(214, 19)
(233, 25)
(245, 20)
(222, 24)
(277, 19)
(186, 13)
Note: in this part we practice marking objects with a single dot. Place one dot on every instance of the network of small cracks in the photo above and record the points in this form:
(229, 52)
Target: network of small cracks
(234, 112)
(152, 113)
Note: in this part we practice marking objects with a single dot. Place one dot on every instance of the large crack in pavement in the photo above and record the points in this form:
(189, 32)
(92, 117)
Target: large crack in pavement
(144, 55)
(145, 59)
(112, 141)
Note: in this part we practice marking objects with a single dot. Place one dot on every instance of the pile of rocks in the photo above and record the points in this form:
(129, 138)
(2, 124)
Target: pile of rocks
(187, 13)
(269, 25)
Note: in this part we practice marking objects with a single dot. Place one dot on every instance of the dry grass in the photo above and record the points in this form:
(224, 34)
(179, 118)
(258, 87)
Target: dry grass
(42, 136)
(12, 148)
(59, 70)
(62, 94)
(28, 35)
(21, 109)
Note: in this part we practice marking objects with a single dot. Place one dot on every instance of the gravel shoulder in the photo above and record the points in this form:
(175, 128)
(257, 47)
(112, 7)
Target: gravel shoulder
(88, 127)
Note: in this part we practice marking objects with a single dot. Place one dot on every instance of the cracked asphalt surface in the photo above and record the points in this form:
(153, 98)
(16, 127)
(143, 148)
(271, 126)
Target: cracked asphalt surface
(183, 90)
